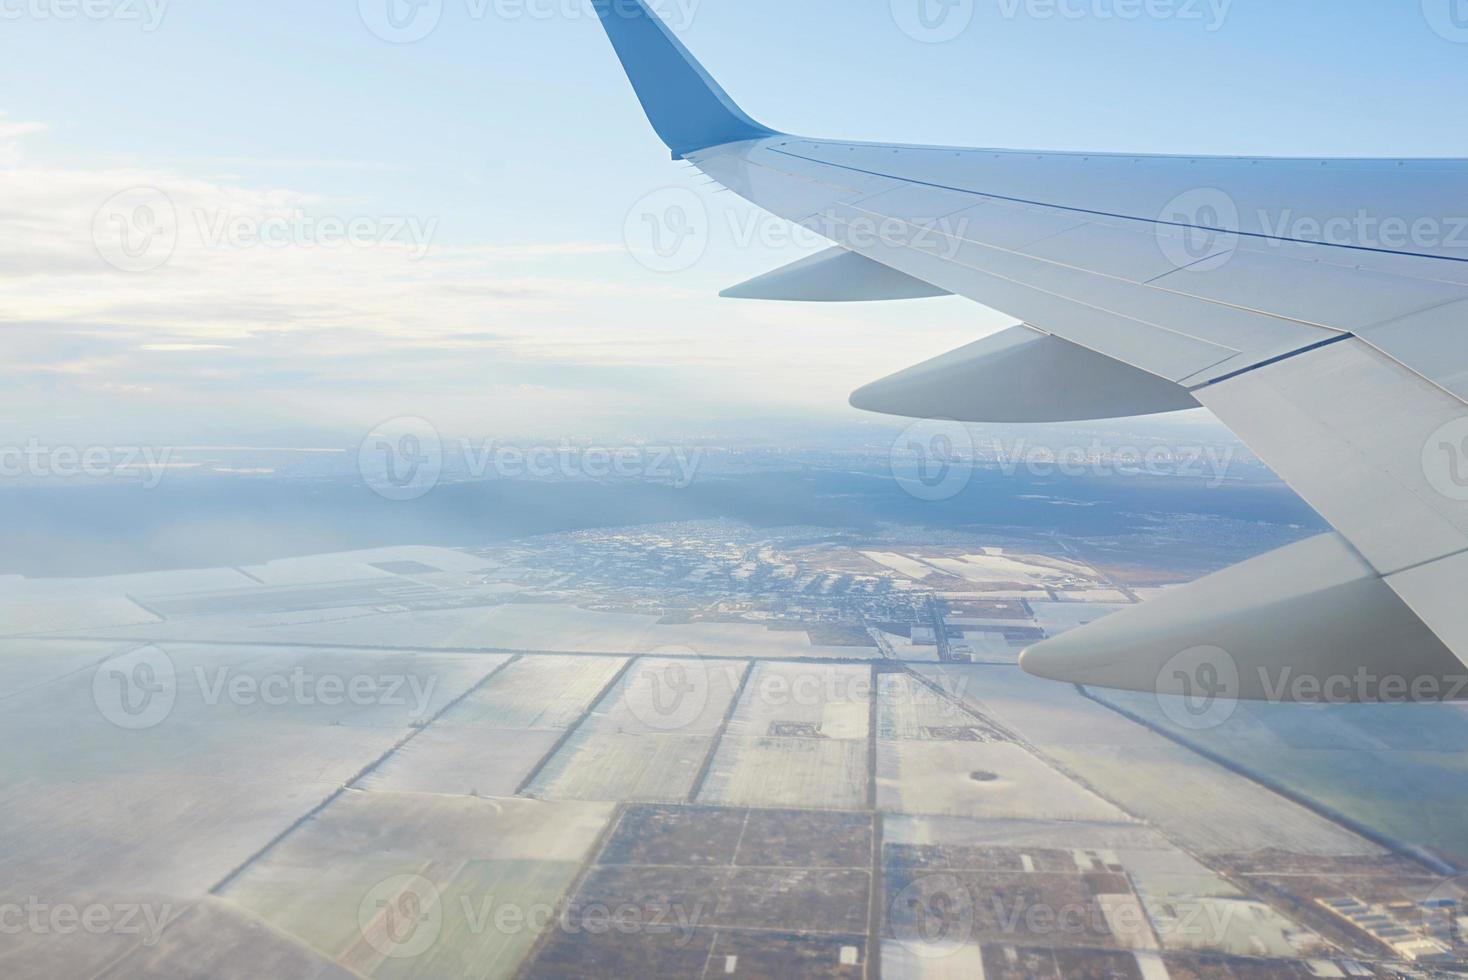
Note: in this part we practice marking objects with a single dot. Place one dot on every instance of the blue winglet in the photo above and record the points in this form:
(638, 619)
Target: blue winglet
(684, 104)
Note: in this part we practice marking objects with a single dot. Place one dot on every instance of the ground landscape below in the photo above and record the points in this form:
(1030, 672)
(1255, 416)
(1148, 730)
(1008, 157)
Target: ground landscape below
(688, 750)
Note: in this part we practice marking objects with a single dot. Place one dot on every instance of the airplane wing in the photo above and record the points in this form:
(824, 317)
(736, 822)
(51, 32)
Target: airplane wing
(1319, 307)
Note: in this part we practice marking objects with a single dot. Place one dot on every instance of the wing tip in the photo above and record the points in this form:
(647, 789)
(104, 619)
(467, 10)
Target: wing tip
(687, 108)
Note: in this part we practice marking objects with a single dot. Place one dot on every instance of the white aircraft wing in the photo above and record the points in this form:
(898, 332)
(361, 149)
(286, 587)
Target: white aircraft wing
(1318, 307)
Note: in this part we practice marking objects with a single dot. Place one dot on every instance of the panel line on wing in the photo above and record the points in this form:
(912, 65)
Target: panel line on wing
(1050, 292)
(1271, 361)
(1424, 563)
(1226, 353)
(1125, 217)
(1150, 284)
(1077, 269)
(1184, 268)
(1114, 278)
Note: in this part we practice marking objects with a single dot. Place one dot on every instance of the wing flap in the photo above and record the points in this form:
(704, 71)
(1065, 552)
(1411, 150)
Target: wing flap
(1435, 593)
(1434, 343)
(1354, 433)
(1380, 453)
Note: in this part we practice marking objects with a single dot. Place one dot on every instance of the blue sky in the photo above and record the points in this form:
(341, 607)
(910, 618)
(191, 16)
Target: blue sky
(510, 132)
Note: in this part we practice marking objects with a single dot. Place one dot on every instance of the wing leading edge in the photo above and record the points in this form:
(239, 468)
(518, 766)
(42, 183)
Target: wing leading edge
(1319, 307)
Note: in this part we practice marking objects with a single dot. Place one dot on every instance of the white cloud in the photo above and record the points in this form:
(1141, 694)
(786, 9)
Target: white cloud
(11, 135)
(273, 302)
